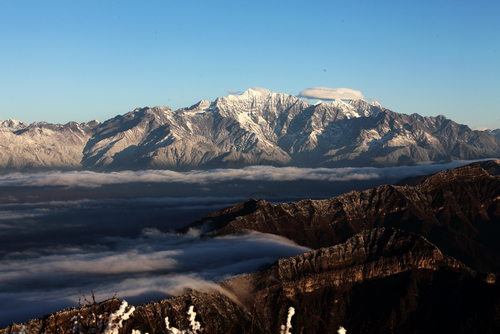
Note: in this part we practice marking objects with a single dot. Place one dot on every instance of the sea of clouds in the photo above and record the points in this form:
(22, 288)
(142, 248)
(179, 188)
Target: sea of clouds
(153, 266)
(126, 245)
(254, 173)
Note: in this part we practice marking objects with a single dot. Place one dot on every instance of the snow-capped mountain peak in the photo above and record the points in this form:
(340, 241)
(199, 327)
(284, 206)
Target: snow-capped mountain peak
(200, 107)
(253, 128)
(12, 125)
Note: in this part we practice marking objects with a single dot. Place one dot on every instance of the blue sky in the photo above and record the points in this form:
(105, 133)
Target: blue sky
(66, 61)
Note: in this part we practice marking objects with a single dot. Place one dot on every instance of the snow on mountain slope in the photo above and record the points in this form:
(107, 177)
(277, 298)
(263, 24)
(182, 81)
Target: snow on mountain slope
(12, 125)
(253, 128)
(44, 146)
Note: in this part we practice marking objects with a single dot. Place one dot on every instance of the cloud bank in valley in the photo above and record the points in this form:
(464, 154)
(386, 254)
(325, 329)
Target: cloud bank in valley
(324, 93)
(153, 266)
(54, 248)
(254, 173)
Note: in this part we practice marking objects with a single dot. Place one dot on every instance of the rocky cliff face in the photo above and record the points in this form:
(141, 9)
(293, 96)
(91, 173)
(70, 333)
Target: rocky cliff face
(250, 129)
(379, 281)
(457, 209)
(330, 287)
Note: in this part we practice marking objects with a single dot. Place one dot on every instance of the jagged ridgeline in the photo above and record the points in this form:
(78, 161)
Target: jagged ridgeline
(235, 131)
(379, 281)
(369, 273)
(457, 209)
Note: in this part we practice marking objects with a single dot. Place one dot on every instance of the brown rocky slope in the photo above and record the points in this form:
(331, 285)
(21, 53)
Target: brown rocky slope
(457, 209)
(379, 281)
(369, 273)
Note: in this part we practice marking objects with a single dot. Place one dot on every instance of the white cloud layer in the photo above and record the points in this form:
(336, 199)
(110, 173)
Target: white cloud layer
(45, 275)
(324, 93)
(154, 265)
(255, 173)
(261, 90)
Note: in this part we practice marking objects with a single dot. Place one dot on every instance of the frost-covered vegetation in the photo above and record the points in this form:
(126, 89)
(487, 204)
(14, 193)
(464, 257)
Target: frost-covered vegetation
(92, 323)
(115, 320)
(194, 326)
(286, 329)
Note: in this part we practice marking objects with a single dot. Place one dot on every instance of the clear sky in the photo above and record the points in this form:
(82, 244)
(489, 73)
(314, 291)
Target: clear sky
(68, 60)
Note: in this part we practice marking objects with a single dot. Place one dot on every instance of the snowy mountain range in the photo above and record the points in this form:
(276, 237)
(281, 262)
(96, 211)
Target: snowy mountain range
(253, 128)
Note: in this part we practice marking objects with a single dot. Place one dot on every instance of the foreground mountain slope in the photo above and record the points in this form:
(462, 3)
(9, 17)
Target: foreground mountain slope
(249, 129)
(379, 281)
(457, 209)
(375, 280)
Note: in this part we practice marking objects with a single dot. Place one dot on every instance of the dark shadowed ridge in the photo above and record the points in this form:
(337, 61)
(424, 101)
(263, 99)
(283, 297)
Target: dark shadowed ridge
(370, 273)
(492, 167)
(456, 209)
(379, 281)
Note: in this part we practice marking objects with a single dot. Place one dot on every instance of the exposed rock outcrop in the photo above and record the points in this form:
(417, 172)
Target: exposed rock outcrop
(379, 281)
(457, 209)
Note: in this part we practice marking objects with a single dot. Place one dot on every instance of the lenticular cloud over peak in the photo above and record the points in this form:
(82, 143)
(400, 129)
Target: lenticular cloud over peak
(325, 93)
(261, 90)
